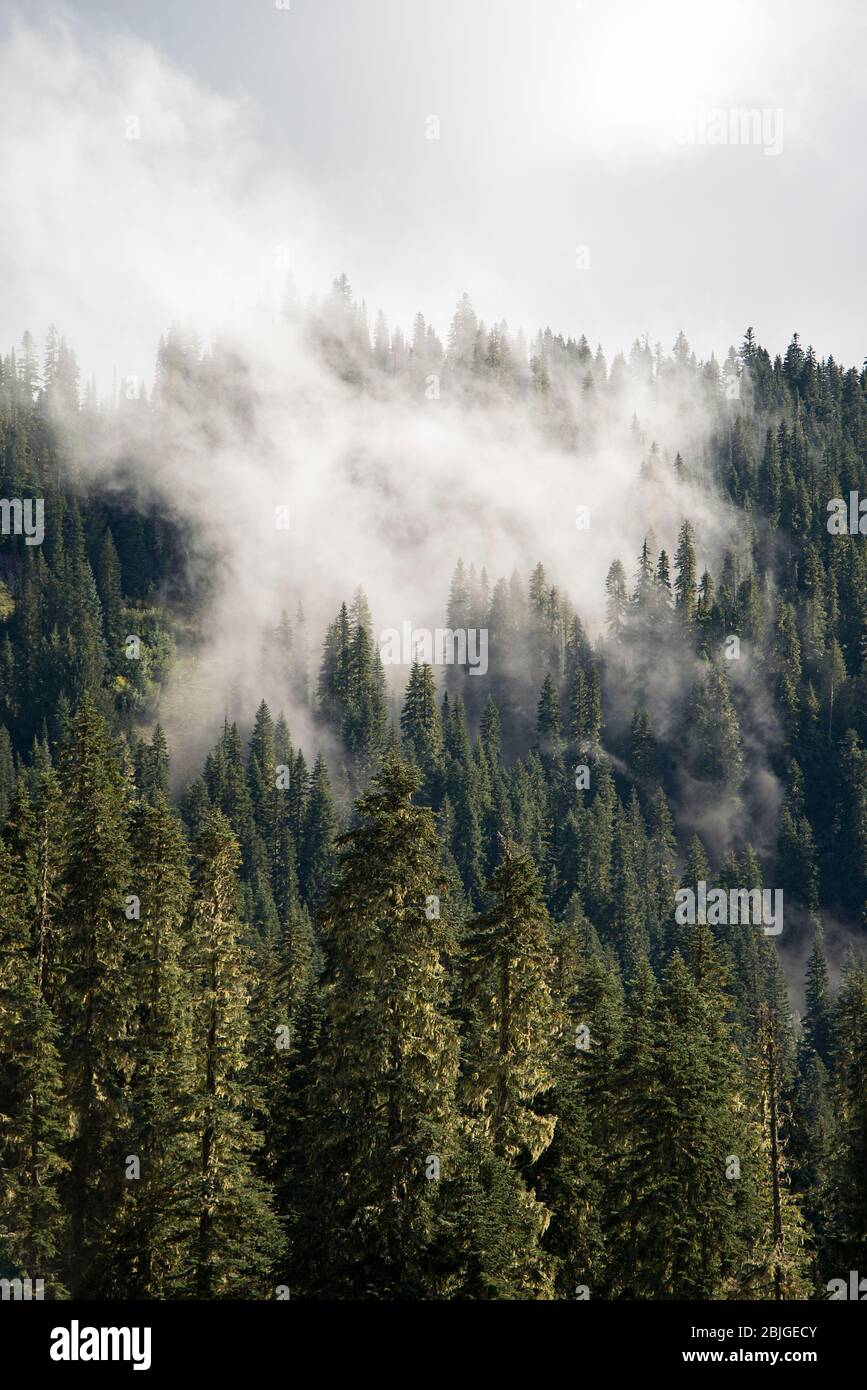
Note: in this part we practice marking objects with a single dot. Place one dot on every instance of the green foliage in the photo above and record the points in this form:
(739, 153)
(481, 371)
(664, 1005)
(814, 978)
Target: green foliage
(386, 1093)
(582, 1068)
(233, 1236)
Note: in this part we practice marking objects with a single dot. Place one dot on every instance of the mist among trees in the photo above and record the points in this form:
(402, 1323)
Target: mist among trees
(386, 997)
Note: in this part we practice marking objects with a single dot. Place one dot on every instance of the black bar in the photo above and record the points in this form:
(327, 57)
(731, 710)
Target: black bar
(232, 1338)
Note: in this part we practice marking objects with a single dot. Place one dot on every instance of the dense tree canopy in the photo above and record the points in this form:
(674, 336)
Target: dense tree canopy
(409, 1012)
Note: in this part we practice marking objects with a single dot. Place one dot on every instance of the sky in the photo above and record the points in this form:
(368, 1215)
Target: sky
(561, 161)
(575, 176)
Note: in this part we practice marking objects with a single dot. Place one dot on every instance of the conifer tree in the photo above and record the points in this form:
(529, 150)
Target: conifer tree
(818, 1017)
(548, 739)
(96, 1000)
(811, 1145)
(159, 1132)
(632, 1083)
(385, 1135)
(796, 852)
(111, 597)
(715, 732)
(848, 1176)
(617, 601)
(507, 991)
(498, 1226)
(568, 1175)
(422, 730)
(677, 1231)
(462, 789)
(642, 747)
(628, 932)
(316, 856)
(262, 774)
(234, 1236)
(777, 1264)
(685, 572)
(577, 726)
(33, 1222)
(490, 732)
(594, 879)
(158, 766)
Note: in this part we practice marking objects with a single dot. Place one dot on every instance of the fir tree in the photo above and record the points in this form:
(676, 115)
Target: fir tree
(507, 991)
(33, 1222)
(161, 1048)
(96, 1000)
(386, 1133)
(848, 1169)
(317, 838)
(234, 1236)
(676, 1229)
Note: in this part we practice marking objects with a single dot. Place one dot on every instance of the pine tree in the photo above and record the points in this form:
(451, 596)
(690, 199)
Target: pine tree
(262, 774)
(498, 1228)
(153, 767)
(317, 839)
(642, 594)
(507, 991)
(848, 1177)
(32, 1111)
(627, 927)
(490, 732)
(422, 730)
(231, 1244)
(110, 589)
(548, 741)
(578, 710)
(685, 572)
(811, 1145)
(95, 999)
(797, 869)
(363, 726)
(385, 1135)
(642, 747)
(568, 1175)
(462, 788)
(818, 1017)
(633, 1082)
(676, 1229)
(159, 1199)
(37, 839)
(777, 1265)
(617, 602)
(715, 732)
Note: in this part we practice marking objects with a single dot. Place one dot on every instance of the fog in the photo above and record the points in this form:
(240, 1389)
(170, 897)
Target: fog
(135, 196)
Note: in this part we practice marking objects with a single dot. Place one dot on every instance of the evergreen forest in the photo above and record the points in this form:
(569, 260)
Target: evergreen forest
(404, 1009)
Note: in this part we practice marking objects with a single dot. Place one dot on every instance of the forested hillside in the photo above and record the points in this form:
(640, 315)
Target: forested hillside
(409, 1011)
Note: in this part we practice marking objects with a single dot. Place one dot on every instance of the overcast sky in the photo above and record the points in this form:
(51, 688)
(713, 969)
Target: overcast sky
(562, 124)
